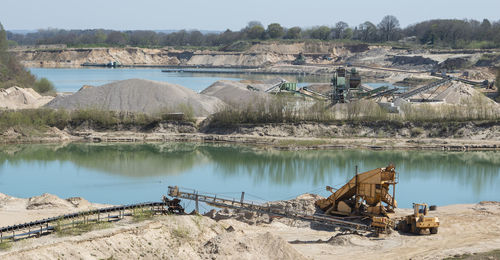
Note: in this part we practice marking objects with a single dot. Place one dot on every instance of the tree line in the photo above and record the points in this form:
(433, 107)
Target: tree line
(439, 33)
(12, 73)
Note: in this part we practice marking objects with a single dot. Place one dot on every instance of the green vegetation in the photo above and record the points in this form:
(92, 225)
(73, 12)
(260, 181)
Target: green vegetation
(12, 72)
(497, 83)
(181, 233)
(492, 255)
(80, 228)
(44, 86)
(24, 121)
(443, 33)
(5, 245)
(278, 110)
(141, 214)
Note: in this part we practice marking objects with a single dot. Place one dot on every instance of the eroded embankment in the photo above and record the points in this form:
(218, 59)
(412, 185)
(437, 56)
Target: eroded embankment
(374, 135)
(256, 55)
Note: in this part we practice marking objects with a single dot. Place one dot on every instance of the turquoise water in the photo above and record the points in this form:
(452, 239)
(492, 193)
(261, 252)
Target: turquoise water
(71, 80)
(128, 173)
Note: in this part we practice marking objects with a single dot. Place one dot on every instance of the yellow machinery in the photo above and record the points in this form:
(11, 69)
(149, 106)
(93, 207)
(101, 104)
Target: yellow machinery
(365, 194)
(419, 221)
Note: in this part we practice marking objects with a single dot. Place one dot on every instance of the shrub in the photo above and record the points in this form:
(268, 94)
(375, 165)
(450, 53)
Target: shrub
(497, 82)
(44, 86)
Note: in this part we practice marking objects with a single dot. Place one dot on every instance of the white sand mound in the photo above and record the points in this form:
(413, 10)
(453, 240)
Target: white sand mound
(21, 98)
(460, 93)
(46, 201)
(234, 93)
(245, 246)
(11, 203)
(139, 95)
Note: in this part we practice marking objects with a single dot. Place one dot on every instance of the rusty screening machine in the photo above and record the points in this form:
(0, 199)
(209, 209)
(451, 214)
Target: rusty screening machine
(366, 194)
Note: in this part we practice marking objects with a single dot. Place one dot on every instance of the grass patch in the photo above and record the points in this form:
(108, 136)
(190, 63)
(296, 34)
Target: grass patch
(139, 215)
(197, 220)
(80, 228)
(295, 142)
(29, 120)
(492, 255)
(5, 245)
(181, 233)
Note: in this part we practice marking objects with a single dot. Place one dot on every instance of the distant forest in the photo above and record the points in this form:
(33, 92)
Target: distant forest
(436, 33)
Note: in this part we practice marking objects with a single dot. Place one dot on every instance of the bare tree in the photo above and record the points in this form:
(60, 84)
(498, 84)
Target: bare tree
(339, 30)
(388, 27)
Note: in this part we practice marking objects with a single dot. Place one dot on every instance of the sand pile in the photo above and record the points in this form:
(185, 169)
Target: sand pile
(21, 98)
(261, 246)
(236, 93)
(460, 93)
(165, 237)
(46, 201)
(139, 95)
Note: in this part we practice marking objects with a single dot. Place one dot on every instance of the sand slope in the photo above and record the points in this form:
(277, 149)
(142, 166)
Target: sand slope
(235, 93)
(22, 98)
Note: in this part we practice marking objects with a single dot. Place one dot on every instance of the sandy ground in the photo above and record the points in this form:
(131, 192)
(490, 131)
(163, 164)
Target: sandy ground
(17, 210)
(470, 228)
(22, 98)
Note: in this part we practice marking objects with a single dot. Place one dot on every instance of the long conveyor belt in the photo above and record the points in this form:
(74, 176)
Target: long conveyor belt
(39, 227)
(174, 191)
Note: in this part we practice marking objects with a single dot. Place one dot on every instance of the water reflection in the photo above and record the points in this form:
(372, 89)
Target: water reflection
(476, 173)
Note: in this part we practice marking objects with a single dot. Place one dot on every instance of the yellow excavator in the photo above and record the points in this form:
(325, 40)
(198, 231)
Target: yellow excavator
(366, 194)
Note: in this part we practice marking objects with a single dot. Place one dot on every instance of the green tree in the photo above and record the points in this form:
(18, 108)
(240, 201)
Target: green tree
(293, 33)
(44, 86)
(255, 32)
(275, 31)
(3, 40)
(367, 32)
(321, 33)
(12, 73)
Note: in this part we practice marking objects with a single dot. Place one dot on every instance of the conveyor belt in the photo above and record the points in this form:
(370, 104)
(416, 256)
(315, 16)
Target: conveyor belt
(174, 191)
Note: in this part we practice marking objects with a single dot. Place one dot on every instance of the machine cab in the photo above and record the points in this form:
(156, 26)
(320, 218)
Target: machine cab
(420, 209)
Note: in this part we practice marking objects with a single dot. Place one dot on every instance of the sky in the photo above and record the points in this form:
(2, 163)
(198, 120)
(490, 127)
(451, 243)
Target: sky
(219, 15)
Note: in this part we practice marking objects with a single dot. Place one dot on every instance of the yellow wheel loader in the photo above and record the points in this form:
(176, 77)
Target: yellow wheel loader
(419, 221)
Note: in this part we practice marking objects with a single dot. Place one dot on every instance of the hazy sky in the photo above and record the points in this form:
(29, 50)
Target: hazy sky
(232, 14)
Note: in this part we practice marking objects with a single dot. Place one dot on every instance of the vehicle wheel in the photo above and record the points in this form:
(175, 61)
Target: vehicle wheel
(406, 228)
(433, 207)
(402, 226)
(417, 230)
(434, 230)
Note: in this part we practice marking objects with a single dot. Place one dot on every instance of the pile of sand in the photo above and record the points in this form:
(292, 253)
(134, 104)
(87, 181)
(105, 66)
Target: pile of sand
(139, 95)
(46, 201)
(21, 98)
(460, 93)
(237, 93)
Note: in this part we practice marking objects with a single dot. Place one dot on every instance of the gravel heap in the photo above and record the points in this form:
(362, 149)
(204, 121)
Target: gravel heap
(139, 95)
(236, 93)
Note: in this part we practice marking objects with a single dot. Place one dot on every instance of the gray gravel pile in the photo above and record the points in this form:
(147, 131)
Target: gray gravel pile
(139, 95)
(236, 93)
